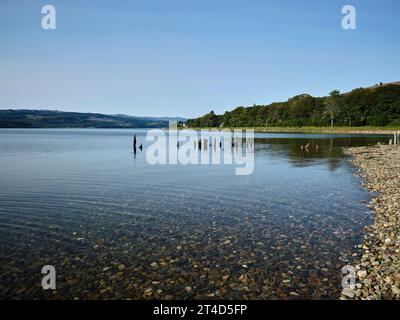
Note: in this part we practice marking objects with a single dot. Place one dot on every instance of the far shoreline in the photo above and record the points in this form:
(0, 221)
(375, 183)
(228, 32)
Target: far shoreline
(300, 130)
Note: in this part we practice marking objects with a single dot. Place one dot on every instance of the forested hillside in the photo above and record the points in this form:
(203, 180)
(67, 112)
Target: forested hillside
(374, 106)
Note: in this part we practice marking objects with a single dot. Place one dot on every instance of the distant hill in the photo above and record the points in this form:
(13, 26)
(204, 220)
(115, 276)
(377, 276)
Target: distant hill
(59, 119)
(378, 105)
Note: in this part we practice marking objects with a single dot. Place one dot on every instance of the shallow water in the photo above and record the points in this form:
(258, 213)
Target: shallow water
(115, 227)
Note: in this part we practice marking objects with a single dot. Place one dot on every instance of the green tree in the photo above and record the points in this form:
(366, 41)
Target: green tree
(332, 105)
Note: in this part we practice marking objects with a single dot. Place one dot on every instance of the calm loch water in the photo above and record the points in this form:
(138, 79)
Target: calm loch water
(115, 227)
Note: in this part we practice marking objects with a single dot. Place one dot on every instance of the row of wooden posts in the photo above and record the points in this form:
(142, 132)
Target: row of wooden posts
(235, 143)
(396, 139)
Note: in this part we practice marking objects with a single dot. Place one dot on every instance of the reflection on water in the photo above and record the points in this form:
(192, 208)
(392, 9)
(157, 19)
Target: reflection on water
(327, 147)
(116, 227)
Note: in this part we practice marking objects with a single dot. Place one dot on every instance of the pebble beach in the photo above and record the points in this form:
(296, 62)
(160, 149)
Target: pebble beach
(378, 271)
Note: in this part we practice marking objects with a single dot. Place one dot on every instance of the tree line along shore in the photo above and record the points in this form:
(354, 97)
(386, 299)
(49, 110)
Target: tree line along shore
(377, 106)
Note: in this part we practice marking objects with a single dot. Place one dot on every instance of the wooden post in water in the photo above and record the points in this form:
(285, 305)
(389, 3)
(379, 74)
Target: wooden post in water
(134, 144)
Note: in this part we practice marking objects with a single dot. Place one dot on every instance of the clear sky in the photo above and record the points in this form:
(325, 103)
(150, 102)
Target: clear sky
(186, 57)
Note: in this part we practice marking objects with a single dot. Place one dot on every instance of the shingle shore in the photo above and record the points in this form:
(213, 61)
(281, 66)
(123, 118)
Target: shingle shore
(378, 274)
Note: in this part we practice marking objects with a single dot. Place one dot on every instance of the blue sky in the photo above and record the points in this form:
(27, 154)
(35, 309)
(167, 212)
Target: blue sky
(185, 58)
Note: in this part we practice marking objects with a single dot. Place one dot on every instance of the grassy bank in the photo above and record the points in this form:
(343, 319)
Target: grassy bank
(327, 130)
